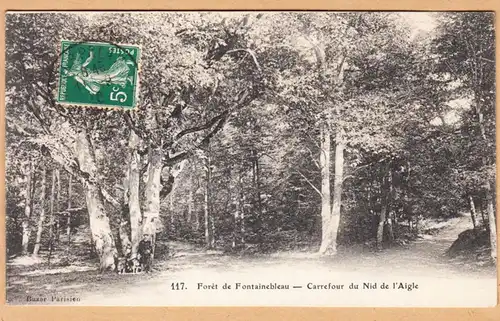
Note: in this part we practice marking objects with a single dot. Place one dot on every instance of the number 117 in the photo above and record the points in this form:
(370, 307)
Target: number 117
(178, 286)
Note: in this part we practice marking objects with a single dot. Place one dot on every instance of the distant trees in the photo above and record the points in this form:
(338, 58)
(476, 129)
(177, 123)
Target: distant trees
(466, 55)
(255, 131)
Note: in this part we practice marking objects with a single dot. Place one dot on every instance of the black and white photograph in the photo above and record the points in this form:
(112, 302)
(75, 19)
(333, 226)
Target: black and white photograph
(250, 158)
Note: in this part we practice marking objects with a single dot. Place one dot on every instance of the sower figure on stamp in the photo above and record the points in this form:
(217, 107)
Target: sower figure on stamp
(117, 74)
(145, 252)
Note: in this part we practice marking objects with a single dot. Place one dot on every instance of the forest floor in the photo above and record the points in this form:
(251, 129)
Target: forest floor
(423, 257)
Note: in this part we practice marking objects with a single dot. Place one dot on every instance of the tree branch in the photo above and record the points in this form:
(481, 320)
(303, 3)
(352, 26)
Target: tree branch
(219, 122)
(185, 154)
(109, 198)
(249, 51)
(195, 129)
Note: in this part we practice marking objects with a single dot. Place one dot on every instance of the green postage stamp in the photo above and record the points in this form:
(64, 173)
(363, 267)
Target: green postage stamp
(98, 74)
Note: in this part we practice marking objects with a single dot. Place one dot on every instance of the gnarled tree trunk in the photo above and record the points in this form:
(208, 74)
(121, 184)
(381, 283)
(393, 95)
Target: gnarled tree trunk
(102, 236)
(134, 206)
(151, 216)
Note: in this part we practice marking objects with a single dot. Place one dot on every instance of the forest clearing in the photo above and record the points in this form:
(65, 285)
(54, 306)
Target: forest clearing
(424, 257)
(148, 148)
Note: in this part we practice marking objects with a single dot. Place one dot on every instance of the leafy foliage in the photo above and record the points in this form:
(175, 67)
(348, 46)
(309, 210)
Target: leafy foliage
(236, 101)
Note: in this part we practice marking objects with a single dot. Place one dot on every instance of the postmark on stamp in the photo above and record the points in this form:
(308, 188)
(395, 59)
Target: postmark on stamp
(98, 74)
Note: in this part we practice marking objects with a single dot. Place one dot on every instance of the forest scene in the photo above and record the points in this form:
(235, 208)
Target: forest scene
(335, 140)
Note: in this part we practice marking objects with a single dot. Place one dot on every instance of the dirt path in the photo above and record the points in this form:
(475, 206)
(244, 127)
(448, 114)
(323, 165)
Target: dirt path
(422, 258)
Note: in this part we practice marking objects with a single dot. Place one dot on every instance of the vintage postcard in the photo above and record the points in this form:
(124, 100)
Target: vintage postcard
(251, 158)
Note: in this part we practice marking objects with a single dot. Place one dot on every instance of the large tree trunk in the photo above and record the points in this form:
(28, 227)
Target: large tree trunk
(41, 219)
(329, 245)
(329, 237)
(102, 236)
(337, 188)
(151, 216)
(134, 206)
(324, 159)
(27, 209)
